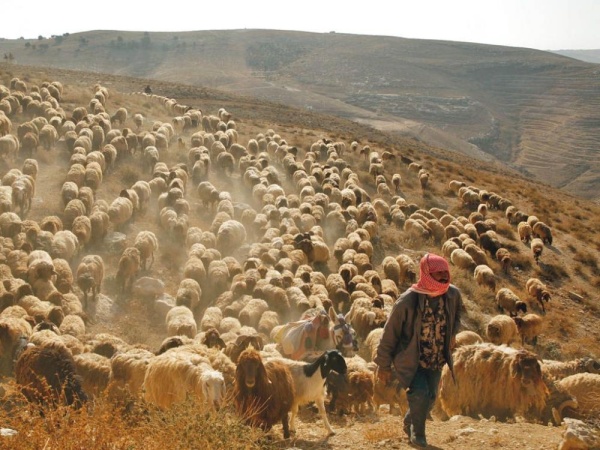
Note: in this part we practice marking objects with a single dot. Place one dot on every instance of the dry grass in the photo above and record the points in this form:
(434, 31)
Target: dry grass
(106, 426)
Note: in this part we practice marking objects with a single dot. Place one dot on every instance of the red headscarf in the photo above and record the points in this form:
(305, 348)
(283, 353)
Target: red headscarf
(431, 263)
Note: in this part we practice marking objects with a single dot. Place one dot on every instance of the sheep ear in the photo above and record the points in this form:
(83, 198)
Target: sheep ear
(332, 314)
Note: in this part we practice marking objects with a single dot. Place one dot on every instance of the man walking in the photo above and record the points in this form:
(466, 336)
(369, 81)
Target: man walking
(418, 339)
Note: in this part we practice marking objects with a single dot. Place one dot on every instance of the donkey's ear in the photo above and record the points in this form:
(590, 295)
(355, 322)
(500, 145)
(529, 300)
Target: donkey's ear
(332, 314)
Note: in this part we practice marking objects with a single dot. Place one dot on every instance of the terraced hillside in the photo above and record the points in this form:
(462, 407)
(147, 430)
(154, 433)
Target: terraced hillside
(534, 111)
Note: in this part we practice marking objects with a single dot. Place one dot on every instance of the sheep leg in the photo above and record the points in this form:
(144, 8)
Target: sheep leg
(286, 426)
(151, 260)
(293, 418)
(321, 405)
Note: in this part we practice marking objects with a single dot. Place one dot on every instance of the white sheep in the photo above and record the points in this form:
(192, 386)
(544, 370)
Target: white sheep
(120, 211)
(509, 302)
(129, 265)
(230, 236)
(128, 370)
(147, 243)
(484, 276)
(180, 321)
(462, 259)
(529, 326)
(89, 275)
(502, 329)
(585, 388)
(65, 245)
(189, 294)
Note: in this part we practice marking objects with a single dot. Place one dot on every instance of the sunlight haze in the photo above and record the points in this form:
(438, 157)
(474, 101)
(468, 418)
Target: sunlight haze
(539, 24)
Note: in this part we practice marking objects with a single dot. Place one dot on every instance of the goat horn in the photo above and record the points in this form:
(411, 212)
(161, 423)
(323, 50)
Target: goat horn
(572, 403)
(557, 414)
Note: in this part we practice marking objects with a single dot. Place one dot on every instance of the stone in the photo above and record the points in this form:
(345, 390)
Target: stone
(148, 287)
(115, 242)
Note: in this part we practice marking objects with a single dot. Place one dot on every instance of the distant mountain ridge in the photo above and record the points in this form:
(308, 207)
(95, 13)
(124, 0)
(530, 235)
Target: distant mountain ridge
(535, 111)
(591, 56)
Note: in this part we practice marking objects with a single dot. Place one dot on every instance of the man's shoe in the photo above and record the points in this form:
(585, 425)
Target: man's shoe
(418, 440)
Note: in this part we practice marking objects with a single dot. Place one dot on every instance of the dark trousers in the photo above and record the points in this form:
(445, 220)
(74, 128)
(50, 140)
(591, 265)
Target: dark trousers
(421, 395)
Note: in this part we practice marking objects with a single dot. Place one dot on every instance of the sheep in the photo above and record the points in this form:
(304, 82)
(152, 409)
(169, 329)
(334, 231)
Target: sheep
(40, 266)
(120, 211)
(529, 326)
(94, 371)
(243, 341)
(517, 387)
(42, 310)
(87, 197)
(539, 291)
(489, 242)
(537, 247)
(556, 370)
(585, 388)
(144, 192)
(147, 243)
(462, 259)
(189, 294)
(47, 376)
(484, 276)
(502, 329)
(10, 224)
(129, 265)
(467, 337)
(82, 229)
(170, 377)
(46, 291)
(9, 146)
(89, 275)
(15, 331)
(194, 268)
(128, 370)
(476, 253)
(23, 190)
(211, 318)
(509, 302)
(365, 317)
(504, 258)
(119, 117)
(73, 209)
(76, 174)
(100, 221)
(230, 236)
(525, 232)
(264, 391)
(180, 321)
(65, 245)
(352, 391)
(71, 305)
(542, 231)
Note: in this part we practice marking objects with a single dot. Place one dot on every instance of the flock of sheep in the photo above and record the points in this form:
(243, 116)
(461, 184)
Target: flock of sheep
(301, 246)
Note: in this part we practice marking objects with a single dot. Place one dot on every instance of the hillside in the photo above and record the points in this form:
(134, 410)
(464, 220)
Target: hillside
(591, 56)
(534, 111)
(569, 266)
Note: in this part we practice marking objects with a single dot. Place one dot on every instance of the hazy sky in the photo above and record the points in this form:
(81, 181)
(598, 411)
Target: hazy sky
(540, 24)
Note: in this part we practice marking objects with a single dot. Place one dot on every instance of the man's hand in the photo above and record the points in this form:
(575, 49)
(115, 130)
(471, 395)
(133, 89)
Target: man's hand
(384, 376)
